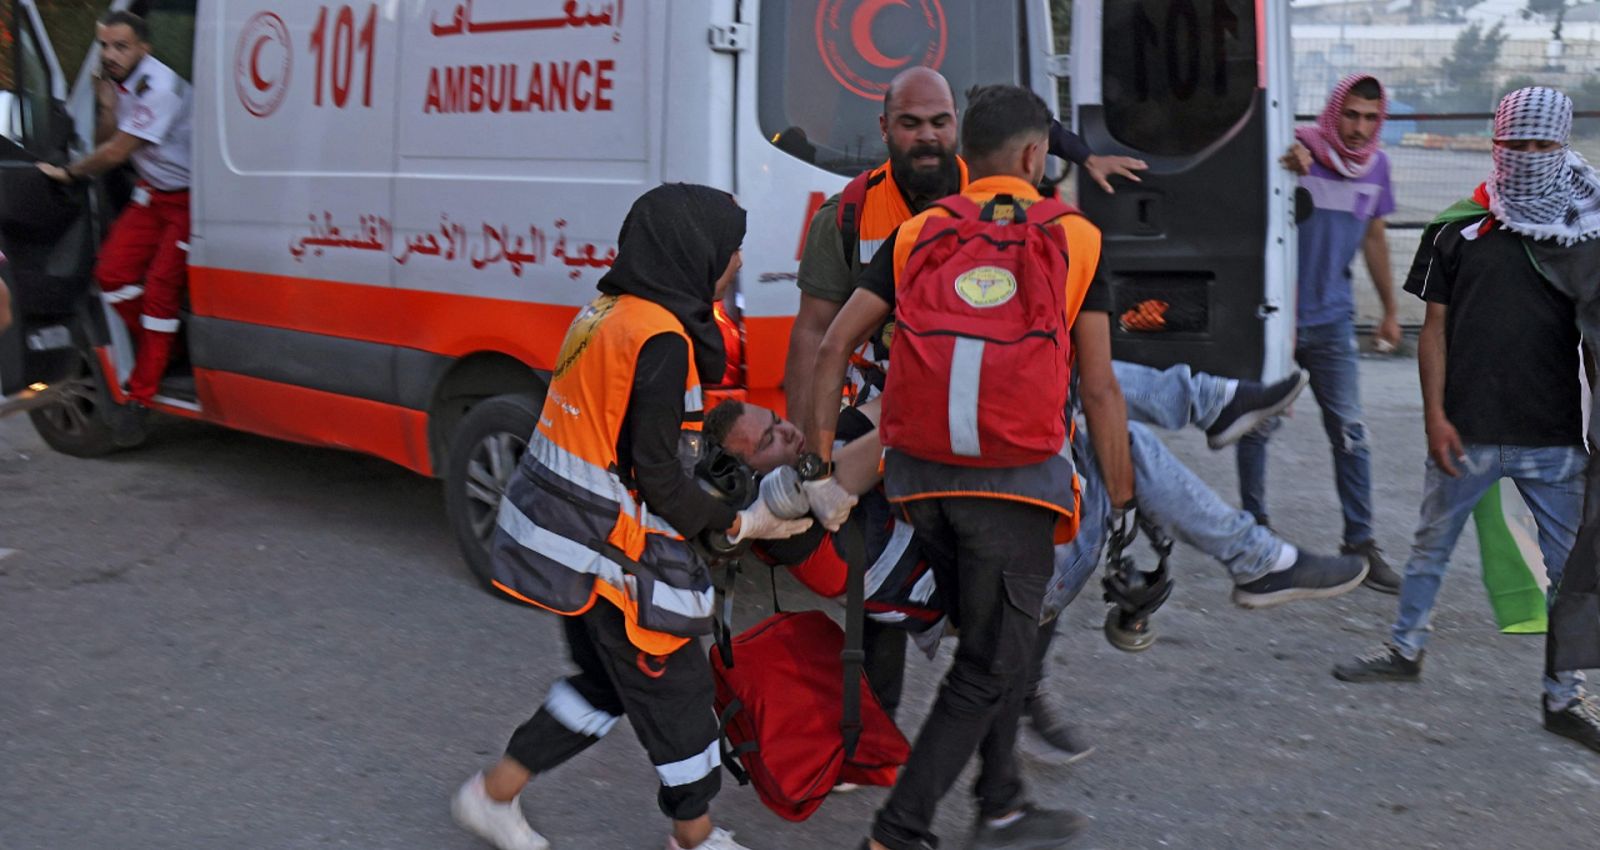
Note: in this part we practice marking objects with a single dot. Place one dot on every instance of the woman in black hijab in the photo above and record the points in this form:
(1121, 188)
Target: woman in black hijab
(678, 249)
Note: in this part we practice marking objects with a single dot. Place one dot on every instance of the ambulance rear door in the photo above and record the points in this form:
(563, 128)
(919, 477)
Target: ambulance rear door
(1200, 255)
(46, 233)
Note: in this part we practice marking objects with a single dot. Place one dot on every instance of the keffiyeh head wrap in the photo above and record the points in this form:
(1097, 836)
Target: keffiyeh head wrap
(1542, 195)
(1324, 141)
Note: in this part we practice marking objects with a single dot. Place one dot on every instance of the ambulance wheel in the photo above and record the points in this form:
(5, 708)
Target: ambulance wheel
(80, 424)
(484, 451)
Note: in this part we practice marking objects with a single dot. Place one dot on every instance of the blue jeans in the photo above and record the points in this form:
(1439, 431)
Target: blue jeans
(1172, 398)
(1328, 352)
(1550, 481)
(1175, 499)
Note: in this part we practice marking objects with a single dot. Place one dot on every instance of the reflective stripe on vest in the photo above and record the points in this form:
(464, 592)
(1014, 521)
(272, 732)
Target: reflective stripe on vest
(569, 529)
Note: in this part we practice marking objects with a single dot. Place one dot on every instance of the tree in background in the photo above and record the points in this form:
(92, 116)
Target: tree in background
(1466, 71)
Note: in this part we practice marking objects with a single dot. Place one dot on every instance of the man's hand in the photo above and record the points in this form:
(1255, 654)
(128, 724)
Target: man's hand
(830, 502)
(1445, 446)
(1387, 337)
(758, 522)
(1103, 168)
(1297, 160)
(55, 172)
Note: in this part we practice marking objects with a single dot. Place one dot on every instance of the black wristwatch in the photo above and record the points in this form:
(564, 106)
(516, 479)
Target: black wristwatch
(812, 467)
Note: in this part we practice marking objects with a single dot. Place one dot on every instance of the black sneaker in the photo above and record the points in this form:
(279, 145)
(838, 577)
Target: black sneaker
(1311, 577)
(1580, 721)
(1037, 829)
(1252, 404)
(1048, 720)
(1379, 575)
(1384, 664)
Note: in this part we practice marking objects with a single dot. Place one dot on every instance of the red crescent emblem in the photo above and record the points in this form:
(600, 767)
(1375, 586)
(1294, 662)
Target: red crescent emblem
(262, 64)
(261, 83)
(861, 33)
(864, 43)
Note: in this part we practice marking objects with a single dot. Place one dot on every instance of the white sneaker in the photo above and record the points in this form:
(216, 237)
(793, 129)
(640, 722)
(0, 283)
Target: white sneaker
(500, 824)
(720, 839)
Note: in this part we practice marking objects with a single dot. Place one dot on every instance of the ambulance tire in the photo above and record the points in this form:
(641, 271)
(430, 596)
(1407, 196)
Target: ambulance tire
(484, 451)
(79, 426)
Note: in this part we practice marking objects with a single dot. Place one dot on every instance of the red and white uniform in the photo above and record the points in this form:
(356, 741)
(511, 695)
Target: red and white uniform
(143, 263)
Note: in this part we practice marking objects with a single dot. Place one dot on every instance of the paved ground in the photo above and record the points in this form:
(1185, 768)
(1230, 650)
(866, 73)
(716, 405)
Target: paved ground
(222, 641)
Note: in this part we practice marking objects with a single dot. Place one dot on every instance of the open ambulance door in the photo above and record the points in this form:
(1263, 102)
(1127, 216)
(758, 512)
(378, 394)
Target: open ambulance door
(47, 236)
(1200, 256)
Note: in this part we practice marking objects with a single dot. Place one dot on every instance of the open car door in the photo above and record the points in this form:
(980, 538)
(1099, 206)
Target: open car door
(47, 237)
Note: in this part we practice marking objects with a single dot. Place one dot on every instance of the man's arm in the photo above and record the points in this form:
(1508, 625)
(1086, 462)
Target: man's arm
(1103, 405)
(105, 114)
(1444, 443)
(5, 308)
(798, 369)
(857, 319)
(1375, 248)
(107, 156)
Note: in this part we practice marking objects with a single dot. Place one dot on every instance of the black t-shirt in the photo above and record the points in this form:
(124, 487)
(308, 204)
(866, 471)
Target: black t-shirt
(878, 279)
(1511, 340)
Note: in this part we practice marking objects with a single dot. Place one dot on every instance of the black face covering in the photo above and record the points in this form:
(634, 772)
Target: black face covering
(675, 243)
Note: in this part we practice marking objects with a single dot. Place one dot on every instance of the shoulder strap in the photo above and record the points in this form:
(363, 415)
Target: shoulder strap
(852, 545)
(851, 202)
(960, 206)
(1050, 209)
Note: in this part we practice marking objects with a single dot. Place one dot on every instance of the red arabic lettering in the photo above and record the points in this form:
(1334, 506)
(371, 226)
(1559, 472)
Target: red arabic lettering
(461, 21)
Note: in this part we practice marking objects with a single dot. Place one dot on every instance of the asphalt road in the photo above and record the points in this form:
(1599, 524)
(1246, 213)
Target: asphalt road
(220, 641)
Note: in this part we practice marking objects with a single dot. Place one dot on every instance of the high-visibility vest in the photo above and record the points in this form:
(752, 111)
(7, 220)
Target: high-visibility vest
(570, 531)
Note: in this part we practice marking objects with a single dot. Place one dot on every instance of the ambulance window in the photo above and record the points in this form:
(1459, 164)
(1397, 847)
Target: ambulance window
(33, 89)
(826, 63)
(1177, 74)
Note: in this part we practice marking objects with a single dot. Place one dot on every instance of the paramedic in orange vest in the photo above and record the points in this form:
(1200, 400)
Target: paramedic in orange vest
(143, 117)
(997, 535)
(593, 525)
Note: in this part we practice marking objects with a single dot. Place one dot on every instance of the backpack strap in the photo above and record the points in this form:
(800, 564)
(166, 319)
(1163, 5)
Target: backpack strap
(1050, 209)
(960, 206)
(851, 203)
(852, 545)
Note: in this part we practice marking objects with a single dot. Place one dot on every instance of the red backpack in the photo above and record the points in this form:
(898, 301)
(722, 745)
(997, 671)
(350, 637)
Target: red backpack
(981, 354)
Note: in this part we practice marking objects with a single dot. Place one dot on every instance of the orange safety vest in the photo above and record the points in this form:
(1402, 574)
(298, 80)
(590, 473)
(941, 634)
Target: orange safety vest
(570, 530)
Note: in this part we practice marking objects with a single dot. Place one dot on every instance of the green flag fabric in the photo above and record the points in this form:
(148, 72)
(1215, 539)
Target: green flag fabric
(1514, 593)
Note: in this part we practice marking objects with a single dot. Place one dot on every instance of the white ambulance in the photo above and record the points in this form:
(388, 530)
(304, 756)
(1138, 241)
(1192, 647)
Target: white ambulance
(398, 206)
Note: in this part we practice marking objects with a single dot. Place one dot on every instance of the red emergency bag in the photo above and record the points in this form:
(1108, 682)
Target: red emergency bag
(782, 705)
(981, 354)
(797, 714)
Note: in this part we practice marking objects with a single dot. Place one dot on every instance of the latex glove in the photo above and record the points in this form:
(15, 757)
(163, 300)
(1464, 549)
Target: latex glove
(782, 492)
(758, 522)
(830, 502)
